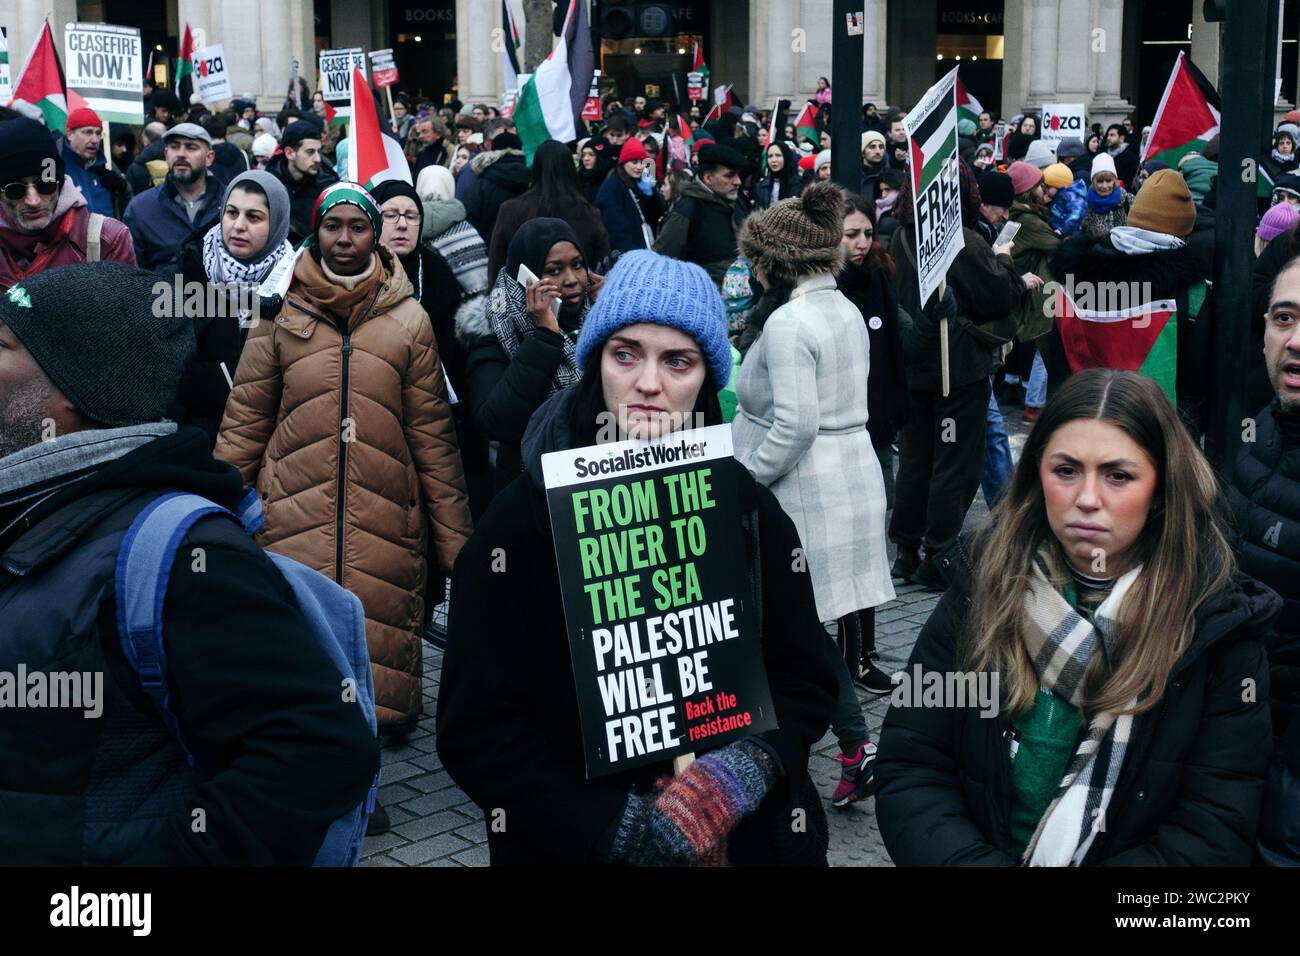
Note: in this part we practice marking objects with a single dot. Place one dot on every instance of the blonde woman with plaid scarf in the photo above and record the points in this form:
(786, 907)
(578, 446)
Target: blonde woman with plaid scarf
(1115, 708)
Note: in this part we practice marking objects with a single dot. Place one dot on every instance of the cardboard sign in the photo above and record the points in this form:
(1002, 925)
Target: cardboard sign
(384, 67)
(336, 76)
(591, 109)
(936, 195)
(103, 63)
(1000, 133)
(6, 85)
(211, 79)
(662, 619)
(1062, 121)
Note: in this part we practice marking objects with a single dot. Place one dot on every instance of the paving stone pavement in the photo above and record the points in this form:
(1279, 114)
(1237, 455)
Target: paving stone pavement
(435, 824)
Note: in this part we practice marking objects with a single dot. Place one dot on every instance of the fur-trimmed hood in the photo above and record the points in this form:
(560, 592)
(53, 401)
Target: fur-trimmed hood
(483, 160)
(793, 239)
(1089, 259)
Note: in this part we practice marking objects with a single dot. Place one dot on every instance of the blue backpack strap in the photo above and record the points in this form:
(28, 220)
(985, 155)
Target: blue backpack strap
(144, 565)
(250, 511)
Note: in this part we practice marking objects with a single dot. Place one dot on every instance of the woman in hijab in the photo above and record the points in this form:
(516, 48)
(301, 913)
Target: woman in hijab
(529, 353)
(339, 419)
(231, 259)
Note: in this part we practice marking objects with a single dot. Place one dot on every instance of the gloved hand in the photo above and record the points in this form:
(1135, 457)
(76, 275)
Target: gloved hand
(688, 822)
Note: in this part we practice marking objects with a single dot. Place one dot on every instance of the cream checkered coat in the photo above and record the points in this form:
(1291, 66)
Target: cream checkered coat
(801, 429)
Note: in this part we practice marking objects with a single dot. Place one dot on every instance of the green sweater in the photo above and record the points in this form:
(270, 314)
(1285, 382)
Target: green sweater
(1046, 740)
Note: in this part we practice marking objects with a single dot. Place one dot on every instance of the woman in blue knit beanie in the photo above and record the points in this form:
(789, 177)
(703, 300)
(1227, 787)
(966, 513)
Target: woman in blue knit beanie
(652, 352)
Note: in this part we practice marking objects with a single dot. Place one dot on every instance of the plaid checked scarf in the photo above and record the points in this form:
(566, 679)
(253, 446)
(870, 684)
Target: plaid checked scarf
(1061, 643)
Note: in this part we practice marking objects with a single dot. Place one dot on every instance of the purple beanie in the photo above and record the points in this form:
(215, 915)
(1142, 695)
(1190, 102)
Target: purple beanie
(1277, 220)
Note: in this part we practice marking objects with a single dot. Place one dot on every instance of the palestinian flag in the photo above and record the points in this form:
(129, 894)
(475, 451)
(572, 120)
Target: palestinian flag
(554, 97)
(41, 82)
(373, 155)
(724, 100)
(1188, 116)
(699, 66)
(332, 116)
(684, 131)
(510, 55)
(805, 127)
(967, 106)
(1143, 339)
(185, 69)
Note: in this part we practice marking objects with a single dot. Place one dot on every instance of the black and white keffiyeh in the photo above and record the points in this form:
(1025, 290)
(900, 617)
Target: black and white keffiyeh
(1061, 643)
(508, 315)
(221, 267)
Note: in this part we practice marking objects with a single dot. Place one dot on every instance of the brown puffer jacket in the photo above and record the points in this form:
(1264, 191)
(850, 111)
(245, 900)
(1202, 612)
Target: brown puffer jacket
(349, 440)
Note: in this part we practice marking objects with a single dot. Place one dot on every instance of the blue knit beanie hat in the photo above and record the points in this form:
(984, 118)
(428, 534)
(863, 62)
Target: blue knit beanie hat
(644, 286)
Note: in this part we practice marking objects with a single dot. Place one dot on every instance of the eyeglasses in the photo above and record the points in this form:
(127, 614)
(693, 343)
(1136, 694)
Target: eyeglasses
(16, 192)
(391, 215)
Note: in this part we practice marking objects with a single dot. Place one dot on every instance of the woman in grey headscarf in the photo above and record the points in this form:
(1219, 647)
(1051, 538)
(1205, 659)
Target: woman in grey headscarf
(222, 269)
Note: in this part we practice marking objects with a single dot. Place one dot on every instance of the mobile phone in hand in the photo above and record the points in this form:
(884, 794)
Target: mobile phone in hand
(527, 277)
(1008, 233)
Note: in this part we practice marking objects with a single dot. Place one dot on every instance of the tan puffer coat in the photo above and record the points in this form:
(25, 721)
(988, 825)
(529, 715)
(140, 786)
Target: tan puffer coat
(349, 440)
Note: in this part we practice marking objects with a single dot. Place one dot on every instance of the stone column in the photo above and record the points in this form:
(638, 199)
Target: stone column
(477, 65)
(1281, 105)
(303, 18)
(875, 52)
(1017, 21)
(278, 52)
(1108, 106)
(1044, 31)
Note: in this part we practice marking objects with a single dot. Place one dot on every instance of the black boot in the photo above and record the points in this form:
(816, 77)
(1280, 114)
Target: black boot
(378, 821)
(908, 560)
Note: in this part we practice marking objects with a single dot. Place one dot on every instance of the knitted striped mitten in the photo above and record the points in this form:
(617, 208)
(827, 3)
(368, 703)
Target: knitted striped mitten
(688, 823)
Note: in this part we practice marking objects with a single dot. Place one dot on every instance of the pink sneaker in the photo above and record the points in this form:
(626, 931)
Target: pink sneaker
(857, 775)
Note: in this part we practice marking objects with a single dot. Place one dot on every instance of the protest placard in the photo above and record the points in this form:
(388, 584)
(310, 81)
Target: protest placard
(661, 612)
(211, 78)
(103, 64)
(1062, 121)
(336, 76)
(936, 186)
(591, 109)
(384, 67)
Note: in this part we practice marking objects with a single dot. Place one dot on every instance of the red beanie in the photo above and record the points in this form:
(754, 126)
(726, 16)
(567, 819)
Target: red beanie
(808, 162)
(83, 116)
(632, 151)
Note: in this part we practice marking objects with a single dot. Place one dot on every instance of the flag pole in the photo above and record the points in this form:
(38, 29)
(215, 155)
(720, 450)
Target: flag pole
(388, 92)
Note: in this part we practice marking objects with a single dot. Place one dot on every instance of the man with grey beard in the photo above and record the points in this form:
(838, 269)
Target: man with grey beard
(188, 200)
(85, 446)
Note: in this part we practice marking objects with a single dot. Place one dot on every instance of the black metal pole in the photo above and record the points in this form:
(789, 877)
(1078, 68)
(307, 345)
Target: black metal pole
(1242, 130)
(846, 102)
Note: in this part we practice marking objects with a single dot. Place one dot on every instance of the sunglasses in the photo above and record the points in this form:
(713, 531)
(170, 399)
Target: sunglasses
(16, 192)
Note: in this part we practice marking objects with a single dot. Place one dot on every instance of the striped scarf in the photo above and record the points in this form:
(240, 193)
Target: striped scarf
(466, 254)
(1061, 644)
(511, 324)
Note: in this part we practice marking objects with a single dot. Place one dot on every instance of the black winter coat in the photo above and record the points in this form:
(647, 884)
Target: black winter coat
(1168, 274)
(872, 294)
(1191, 785)
(249, 685)
(1265, 496)
(790, 188)
(984, 287)
(499, 175)
(302, 194)
(507, 698)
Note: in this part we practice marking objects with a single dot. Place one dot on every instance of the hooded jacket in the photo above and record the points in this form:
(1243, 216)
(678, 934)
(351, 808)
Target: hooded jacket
(1031, 252)
(65, 237)
(1167, 274)
(1191, 784)
(507, 697)
(248, 681)
(342, 425)
(499, 174)
(702, 228)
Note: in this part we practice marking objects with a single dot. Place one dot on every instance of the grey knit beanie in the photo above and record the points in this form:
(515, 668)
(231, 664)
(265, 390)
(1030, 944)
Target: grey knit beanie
(104, 337)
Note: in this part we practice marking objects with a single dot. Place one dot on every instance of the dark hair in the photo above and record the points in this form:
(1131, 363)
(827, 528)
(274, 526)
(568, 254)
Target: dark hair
(617, 124)
(1119, 128)
(789, 171)
(251, 186)
(214, 125)
(589, 402)
(877, 258)
(554, 186)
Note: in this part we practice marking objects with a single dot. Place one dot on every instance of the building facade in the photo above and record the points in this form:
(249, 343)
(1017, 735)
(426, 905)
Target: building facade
(1015, 55)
